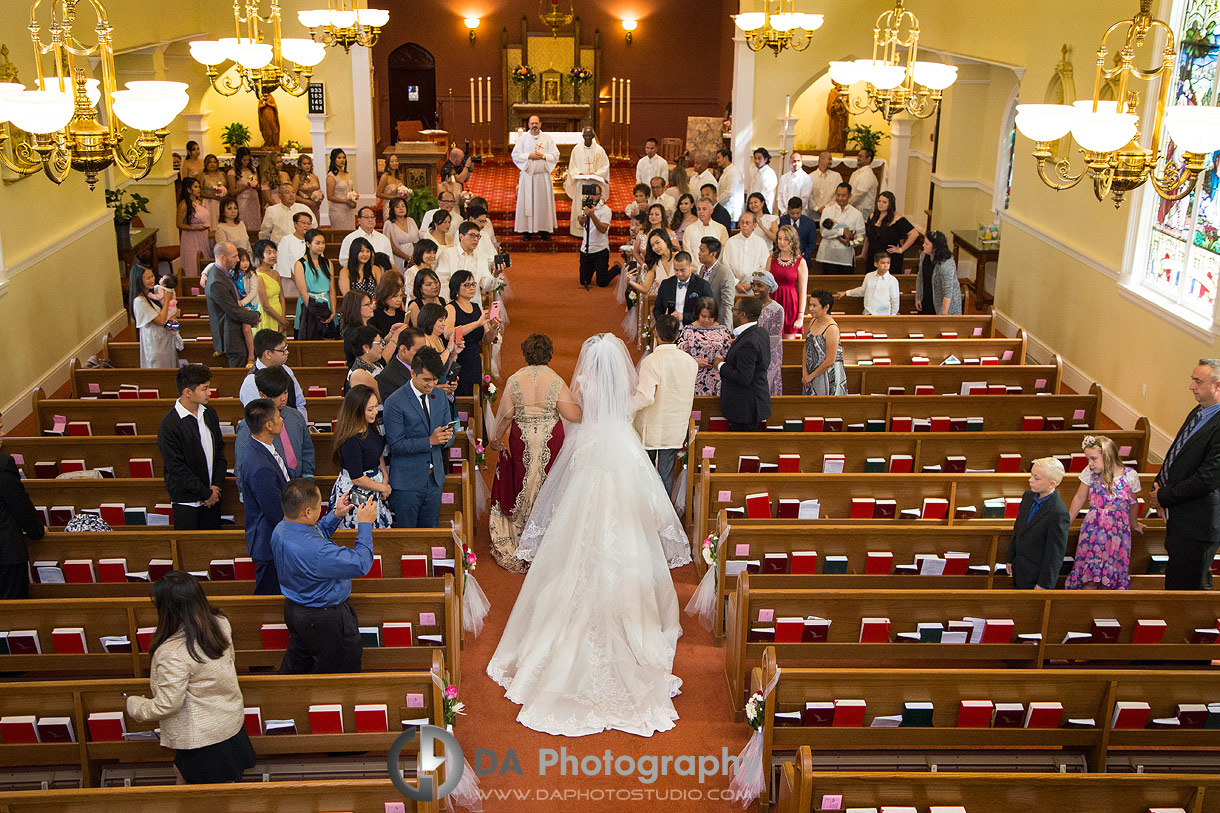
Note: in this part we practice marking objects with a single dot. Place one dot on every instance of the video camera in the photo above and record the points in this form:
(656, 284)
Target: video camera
(588, 191)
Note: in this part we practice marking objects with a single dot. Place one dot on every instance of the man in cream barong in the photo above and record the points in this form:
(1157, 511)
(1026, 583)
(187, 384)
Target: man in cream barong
(588, 160)
(536, 155)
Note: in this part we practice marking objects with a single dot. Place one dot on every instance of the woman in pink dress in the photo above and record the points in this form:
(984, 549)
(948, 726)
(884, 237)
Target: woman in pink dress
(271, 175)
(339, 191)
(243, 184)
(213, 185)
(792, 275)
(193, 227)
(308, 187)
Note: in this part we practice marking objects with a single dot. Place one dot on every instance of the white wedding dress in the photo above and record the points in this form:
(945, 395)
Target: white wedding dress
(590, 642)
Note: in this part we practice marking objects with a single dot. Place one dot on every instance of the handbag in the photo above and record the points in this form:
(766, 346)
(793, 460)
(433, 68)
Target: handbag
(313, 321)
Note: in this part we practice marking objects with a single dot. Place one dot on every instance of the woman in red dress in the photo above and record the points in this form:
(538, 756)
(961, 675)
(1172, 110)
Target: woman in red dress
(790, 272)
(536, 400)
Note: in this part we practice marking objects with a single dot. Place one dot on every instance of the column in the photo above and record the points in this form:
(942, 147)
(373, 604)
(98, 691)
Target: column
(743, 99)
(196, 130)
(364, 170)
(900, 156)
(320, 155)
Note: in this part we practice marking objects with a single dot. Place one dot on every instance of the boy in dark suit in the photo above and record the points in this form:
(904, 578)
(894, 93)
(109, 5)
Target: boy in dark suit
(806, 229)
(416, 431)
(744, 398)
(1040, 533)
(262, 475)
(193, 452)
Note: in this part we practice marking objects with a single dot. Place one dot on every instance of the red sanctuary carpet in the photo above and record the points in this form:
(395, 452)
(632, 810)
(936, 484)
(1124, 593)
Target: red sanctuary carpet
(496, 180)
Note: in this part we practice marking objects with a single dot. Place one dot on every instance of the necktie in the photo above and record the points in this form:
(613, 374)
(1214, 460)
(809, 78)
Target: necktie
(423, 399)
(279, 460)
(290, 455)
(1183, 436)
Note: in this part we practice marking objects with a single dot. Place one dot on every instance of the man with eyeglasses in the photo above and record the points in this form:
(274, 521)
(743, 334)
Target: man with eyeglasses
(366, 227)
(468, 254)
(271, 350)
(449, 204)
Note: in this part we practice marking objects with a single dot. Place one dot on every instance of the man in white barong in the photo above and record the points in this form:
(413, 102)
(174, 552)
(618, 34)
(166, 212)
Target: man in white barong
(651, 165)
(745, 253)
(588, 159)
(864, 183)
(536, 155)
(731, 189)
(795, 183)
(761, 178)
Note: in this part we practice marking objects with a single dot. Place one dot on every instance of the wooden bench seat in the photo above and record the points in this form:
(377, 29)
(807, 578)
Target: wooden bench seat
(902, 351)
(226, 381)
(802, 790)
(970, 326)
(146, 413)
(1026, 379)
(279, 697)
(122, 616)
(1050, 613)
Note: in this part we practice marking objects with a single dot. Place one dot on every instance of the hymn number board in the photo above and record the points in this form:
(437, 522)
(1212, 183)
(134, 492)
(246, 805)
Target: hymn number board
(317, 98)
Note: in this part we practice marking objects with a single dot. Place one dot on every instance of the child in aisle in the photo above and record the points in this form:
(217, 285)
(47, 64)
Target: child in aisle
(1103, 551)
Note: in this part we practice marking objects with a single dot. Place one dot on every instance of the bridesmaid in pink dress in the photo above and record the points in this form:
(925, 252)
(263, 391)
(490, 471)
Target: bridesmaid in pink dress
(309, 188)
(243, 184)
(338, 187)
(213, 185)
(193, 227)
(270, 175)
(790, 272)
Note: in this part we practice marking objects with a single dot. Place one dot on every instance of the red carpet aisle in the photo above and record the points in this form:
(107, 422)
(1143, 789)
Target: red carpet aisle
(548, 299)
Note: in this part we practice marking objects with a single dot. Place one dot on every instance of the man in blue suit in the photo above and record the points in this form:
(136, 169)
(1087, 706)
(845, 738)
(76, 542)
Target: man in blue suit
(261, 477)
(806, 229)
(417, 430)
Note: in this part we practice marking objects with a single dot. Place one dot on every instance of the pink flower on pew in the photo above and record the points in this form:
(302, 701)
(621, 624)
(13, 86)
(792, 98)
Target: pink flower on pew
(451, 692)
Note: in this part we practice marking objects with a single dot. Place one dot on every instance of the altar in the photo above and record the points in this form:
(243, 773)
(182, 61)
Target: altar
(554, 116)
(563, 141)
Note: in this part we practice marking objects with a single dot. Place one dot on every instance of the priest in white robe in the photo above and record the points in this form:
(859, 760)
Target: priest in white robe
(588, 160)
(536, 155)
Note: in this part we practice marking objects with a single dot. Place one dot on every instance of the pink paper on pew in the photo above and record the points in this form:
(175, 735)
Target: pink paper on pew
(427, 619)
(709, 452)
(696, 414)
(978, 331)
(455, 454)
(415, 701)
(438, 551)
(463, 416)
(95, 388)
(742, 549)
(766, 615)
(1123, 451)
(1039, 383)
(1007, 356)
(836, 802)
(724, 496)
(1078, 415)
(19, 459)
(447, 498)
(395, 807)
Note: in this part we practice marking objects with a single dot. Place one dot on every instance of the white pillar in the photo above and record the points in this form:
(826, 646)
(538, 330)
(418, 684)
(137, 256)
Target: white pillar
(743, 100)
(364, 173)
(197, 130)
(900, 157)
(320, 154)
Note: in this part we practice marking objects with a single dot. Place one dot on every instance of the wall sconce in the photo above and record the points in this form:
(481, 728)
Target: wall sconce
(629, 26)
(472, 23)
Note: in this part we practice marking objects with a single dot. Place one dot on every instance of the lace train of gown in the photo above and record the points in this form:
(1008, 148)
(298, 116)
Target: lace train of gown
(591, 639)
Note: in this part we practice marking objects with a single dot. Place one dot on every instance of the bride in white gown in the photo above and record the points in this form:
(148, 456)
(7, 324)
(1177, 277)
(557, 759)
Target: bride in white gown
(590, 642)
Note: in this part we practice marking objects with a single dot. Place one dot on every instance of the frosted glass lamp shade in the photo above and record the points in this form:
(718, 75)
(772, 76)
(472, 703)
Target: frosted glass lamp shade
(880, 75)
(302, 51)
(1044, 122)
(810, 22)
(934, 75)
(1194, 128)
(93, 89)
(144, 110)
(209, 52)
(844, 73)
(39, 111)
(374, 17)
(750, 20)
(1103, 132)
(784, 22)
(313, 18)
(250, 55)
(342, 19)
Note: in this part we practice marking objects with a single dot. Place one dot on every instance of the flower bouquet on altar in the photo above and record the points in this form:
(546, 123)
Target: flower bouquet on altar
(579, 76)
(292, 147)
(523, 75)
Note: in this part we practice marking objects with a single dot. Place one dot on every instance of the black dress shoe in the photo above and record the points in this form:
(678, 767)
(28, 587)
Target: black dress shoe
(527, 235)
(546, 235)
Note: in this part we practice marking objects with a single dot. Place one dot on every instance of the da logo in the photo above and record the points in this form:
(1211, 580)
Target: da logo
(429, 761)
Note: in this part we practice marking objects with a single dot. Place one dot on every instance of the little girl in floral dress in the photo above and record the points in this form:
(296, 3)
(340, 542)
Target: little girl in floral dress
(1103, 551)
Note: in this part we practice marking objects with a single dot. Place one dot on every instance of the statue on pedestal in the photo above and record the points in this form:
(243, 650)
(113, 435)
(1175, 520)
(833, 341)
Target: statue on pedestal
(269, 120)
(836, 112)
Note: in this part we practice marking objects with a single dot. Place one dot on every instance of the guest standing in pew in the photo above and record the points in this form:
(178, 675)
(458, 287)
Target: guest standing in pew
(398, 369)
(196, 697)
(316, 579)
(271, 350)
(193, 452)
(771, 319)
(703, 340)
(19, 522)
(358, 449)
(824, 372)
(663, 398)
(417, 430)
(1187, 488)
(225, 311)
(154, 311)
(1103, 550)
(293, 443)
(262, 474)
(744, 398)
(806, 228)
(937, 289)
(1040, 532)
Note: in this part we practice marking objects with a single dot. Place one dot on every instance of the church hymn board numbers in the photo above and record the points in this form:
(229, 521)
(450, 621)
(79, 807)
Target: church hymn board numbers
(317, 98)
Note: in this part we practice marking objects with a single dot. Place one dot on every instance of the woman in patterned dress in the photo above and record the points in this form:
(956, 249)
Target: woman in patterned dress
(537, 399)
(243, 184)
(1103, 550)
(358, 449)
(703, 340)
(771, 320)
(825, 373)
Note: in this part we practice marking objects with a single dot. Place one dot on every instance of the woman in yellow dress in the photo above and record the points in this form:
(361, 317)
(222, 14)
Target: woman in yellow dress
(271, 295)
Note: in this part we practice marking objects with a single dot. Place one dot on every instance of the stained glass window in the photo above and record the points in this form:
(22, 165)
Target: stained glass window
(1183, 260)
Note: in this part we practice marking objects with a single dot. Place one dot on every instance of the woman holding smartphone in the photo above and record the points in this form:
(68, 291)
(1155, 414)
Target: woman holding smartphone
(472, 326)
(358, 450)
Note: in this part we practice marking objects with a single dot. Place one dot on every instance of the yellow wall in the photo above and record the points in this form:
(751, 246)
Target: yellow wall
(812, 131)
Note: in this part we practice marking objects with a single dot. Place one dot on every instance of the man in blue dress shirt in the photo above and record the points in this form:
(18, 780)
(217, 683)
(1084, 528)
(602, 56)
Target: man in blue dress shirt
(315, 576)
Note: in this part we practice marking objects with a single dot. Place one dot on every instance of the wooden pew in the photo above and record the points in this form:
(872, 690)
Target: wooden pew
(280, 697)
(900, 351)
(123, 616)
(359, 795)
(1083, 693)
(1027, 379)
(970, 326)
(801, 790)
(226, 381)
(999, 412)
(835, 492)
(837, 283)
(146, 414)
(1051, 613)
(744, 541)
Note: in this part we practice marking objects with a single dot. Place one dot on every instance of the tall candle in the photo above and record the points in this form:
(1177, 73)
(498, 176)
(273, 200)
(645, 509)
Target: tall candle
(488, 119)
(787, 110)
(628, 101)
(472, 100)
(613, 96)
(480, 100)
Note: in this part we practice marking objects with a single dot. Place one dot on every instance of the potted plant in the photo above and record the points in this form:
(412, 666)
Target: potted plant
(125, 211)
(421, 201)
(865, 137)
(235, 135)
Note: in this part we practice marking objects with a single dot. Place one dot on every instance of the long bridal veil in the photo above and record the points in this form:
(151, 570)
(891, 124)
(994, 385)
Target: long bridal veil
(591, 639)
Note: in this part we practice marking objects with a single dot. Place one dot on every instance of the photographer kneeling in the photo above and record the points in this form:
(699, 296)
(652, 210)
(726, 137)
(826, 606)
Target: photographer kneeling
(594, 221)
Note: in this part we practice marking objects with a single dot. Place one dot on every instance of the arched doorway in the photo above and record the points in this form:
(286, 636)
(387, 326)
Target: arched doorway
(412, 75)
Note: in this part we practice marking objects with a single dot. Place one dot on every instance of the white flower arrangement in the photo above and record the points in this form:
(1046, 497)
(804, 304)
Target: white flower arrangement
(756, 706)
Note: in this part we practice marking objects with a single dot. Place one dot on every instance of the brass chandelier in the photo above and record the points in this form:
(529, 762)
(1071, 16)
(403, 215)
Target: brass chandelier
(344, 26)
(61, 116)
(895, 82)
(779, 29)
(554, 17)
(262, 67)
(1109, 130)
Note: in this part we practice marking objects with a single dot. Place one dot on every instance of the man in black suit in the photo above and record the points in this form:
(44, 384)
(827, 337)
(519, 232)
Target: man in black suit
(19, 522)
(744, 398)
(225, 312)
(719, 213)
(193, 452)
(678, 294)
(1040, 532)
(806, 229)
(398, 370)
(1187, 487)
(261, 479)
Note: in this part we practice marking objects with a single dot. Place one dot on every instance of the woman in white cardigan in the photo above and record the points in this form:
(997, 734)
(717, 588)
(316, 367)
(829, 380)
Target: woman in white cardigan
(194, 685)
